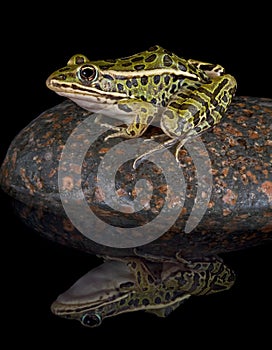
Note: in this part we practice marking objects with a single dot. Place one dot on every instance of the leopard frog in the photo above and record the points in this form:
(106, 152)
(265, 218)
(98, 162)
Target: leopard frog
(188, 97)
(132, 284)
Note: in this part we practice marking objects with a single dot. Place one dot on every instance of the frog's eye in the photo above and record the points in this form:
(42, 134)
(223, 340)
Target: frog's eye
(87, 73)
(91, 320)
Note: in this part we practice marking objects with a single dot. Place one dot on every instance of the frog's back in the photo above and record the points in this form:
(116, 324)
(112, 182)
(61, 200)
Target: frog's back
(154, 58)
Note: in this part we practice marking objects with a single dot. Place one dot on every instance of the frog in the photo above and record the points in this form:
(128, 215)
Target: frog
(141, 283)
(186, 97)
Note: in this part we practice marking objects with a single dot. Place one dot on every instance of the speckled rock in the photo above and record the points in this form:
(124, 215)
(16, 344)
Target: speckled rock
(239, 208)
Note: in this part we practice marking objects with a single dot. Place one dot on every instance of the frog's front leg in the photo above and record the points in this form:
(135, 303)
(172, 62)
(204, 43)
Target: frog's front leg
(142, 113)
(190, 114)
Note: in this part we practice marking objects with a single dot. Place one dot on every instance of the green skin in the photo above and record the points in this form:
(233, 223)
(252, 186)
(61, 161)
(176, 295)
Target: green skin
(188, 97)
(155, 287)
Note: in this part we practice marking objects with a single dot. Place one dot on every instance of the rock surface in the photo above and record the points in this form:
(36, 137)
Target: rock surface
(237, 212)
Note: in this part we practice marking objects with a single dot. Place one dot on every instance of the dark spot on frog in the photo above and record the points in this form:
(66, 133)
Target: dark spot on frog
(169, 114)
(151, 58)
(144, 80)
(139, 66)
(167, 60)
(126, 285)
(153, 48)
(173, 89)
(62, 77)
(166, 79)
(137, 59)
(122, 301)
(133, 265)
(128, 83)
(156, 79)
(225, 98)
(175, 105)
(149, 119)
(79, 60)
(181, 67)
(120, 87)
(134, 82)
(111, 60)
(150, 279)
(167, 296)
(138, 277)
(107, 76)
(126, 64)
(145, 302)
(124, 108)
(136, 302)
(105, 67)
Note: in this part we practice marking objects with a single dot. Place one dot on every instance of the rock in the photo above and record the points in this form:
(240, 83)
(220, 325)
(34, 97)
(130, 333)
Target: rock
(67, 184)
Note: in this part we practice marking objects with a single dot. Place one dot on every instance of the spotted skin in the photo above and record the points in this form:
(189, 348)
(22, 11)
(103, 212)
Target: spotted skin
(187, 96)
(156, 287)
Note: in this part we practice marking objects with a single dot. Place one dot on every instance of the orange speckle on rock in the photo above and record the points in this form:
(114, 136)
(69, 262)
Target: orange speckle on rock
(67, 183)
(252, 177)
(226, 212)
(267, 228)
(253, 134)
(232, 142)
(121, 192)
(230, 197)
(183, 211)
(230, 129)
(52, 173)
(99, 194)
(103, 150)
(211, 204)
(225, 172)
(76, 168)
(265, 172)
(266, 188)
(67, 225)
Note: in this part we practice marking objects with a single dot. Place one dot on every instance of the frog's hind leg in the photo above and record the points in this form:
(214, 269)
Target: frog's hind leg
(190, 113)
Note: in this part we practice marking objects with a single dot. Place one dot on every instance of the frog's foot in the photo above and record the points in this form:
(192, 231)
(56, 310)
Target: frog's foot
(161, 147)
(157, 137)
(120, 132)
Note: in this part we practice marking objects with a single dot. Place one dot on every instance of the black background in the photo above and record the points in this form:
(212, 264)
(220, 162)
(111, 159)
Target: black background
(35, 271)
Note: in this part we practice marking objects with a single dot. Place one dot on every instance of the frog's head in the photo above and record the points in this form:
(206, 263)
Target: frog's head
(89, 84)
(112, 289)
(102, 292)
